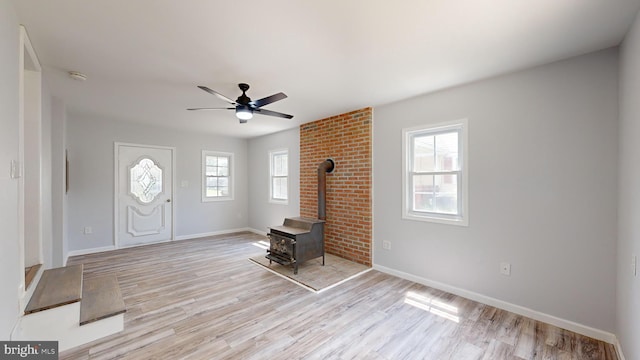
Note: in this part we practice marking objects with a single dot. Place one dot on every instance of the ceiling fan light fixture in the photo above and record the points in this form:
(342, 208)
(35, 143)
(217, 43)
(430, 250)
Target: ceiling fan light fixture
(243, 113)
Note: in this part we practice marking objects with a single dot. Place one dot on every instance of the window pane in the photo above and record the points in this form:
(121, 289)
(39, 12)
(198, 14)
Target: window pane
(279, 190)
(447, 151)
(280, 165)
(222, 171)
(423, 193)
(145, 180)
(217, 176)
(423, 154)
(446, 194)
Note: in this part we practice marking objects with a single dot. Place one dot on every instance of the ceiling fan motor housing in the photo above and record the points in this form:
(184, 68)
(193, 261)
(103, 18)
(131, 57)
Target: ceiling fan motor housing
(243, 99)
(244, 107)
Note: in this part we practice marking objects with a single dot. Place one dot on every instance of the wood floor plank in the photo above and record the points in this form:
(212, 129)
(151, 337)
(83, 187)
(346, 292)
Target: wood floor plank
(202, 299)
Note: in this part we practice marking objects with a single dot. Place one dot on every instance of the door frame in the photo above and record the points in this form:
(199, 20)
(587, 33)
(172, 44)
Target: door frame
(116, 188)
(28, 86)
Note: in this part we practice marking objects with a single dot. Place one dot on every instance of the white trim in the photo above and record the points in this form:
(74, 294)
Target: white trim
(258, 232)
(520, 310)
(177, 238)
(619, 350)
(87, 251)
(308, 287)
(212, 233)
(463, 218)
(273, 152)
(26, 52)
(203, 169)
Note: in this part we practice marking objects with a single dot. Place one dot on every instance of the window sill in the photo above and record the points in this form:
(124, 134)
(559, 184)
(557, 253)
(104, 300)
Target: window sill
(217, 199)
(438, 220)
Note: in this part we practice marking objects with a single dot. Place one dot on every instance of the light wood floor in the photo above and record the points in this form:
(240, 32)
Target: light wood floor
(202, 299)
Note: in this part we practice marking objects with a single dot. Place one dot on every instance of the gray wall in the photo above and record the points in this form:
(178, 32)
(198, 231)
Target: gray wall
(628, 296)
(46, 179)
(90, 198)
(262, 213)
(9, 262)
(59, 245)
(542, 190)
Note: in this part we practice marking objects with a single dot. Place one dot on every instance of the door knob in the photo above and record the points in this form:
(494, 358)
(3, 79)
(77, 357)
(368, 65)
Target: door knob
(168, 200)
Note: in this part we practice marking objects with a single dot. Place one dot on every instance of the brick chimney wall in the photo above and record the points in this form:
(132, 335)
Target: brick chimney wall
(346, 139)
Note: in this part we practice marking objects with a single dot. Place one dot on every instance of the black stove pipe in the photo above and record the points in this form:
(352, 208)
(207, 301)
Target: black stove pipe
(325, 167)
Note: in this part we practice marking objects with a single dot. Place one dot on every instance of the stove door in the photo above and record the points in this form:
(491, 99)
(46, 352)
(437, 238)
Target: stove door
(282, 245)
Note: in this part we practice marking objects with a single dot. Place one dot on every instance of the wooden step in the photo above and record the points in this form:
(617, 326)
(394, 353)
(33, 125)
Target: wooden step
(101, 298)
(30, 274)
(57, 287)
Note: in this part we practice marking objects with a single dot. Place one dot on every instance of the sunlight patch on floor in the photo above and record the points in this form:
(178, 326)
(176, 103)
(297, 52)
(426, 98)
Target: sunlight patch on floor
(261, 244)
(433, 306)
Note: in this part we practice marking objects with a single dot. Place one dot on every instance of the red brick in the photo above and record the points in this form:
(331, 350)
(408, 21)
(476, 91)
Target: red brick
(345, 138)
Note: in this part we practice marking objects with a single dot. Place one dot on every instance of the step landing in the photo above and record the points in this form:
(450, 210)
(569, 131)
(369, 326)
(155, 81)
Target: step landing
(57, 287)
(101, 298)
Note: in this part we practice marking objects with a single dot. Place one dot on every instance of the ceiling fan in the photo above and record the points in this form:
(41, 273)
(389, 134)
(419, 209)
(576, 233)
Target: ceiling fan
(244, 106)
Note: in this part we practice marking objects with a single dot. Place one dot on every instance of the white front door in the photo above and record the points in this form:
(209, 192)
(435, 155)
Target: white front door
(144, 194)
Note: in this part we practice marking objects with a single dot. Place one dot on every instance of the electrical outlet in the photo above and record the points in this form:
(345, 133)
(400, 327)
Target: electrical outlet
(88, 230)
(505, 269)
(386, 245)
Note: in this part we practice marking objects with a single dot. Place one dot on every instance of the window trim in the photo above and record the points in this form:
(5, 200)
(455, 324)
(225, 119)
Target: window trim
(273, 153)
(463, 184)
(203, 176)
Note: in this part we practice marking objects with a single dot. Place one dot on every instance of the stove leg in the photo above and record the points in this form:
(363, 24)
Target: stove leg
(295, 269)
(322, 259)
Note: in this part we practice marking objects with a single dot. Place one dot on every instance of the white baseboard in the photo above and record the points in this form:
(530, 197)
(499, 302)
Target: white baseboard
(87, 251)
(520, 310)
(177, 238)
(213, 233)
(258, 232)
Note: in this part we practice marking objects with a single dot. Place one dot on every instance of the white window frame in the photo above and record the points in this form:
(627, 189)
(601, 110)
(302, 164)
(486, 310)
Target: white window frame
(462, 218)
(203, 176)
(272, 154)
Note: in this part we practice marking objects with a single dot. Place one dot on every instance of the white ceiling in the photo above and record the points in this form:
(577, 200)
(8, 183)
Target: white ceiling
(144, 58)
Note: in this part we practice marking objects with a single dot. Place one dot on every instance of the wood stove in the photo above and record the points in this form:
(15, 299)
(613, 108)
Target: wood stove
(296, 241)
(301, 239)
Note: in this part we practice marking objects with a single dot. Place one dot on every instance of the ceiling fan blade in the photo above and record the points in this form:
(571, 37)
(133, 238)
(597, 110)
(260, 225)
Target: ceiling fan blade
(272, 113)
(268, 100)
(213, 92)
(191, 109)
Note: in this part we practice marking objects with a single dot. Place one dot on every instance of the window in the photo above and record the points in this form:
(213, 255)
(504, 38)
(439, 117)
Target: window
(279, 176)
(217, 170)
(145, 180)
(435, 173)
